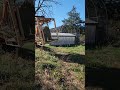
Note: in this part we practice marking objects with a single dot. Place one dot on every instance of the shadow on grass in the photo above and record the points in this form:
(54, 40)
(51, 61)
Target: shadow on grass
(106, 78)
(98, 76)
(22, 52)
(75, 58)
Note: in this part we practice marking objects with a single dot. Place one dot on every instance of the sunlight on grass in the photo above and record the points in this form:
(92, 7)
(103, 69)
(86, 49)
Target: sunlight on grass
(29, 46)
(71, 73)
(71, 50)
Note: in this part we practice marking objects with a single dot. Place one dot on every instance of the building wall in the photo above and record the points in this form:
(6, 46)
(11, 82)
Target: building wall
(90, 34)
(63, 41)
(96, 11)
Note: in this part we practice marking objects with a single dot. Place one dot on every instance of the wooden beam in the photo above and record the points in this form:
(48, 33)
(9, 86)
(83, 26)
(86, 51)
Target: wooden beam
(20, 24)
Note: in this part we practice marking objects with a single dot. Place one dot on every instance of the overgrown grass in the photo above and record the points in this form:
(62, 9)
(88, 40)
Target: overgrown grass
(50, 72)
(105, 57)
(16, 74)
(53, 73)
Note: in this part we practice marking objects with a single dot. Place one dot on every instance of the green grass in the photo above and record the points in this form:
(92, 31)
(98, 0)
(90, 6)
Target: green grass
(29, 46)
(20, 72)
(71, 50)
(105, 57)
(73, 73)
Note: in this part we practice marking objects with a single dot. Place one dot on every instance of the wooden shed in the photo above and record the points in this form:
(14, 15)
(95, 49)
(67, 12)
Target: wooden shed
(16, 22)
(64, 39)
(90, 32)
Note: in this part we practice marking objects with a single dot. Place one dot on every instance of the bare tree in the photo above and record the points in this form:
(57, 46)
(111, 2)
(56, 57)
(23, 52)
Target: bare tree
(44, 6)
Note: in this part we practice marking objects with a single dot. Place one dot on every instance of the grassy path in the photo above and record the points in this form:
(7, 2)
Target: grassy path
(56, 73)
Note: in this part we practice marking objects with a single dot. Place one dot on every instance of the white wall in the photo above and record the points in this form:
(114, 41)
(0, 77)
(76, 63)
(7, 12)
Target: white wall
(63, 41)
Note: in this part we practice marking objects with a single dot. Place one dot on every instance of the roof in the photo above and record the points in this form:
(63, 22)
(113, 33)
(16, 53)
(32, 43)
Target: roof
(63, 34)
(42, 19)
(89, 21)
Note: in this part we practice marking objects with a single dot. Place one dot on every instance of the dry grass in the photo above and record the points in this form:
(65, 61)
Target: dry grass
(16, 74)
(53, 73)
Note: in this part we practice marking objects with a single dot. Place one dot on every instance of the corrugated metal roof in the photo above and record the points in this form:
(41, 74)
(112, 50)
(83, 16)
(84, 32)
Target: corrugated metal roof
(63, 34)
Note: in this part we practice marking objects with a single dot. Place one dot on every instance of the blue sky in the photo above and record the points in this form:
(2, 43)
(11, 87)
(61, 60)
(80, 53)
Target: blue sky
(60, 11)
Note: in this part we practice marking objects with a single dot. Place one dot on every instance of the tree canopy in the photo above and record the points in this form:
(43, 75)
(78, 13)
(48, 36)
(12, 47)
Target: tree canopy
(73, 23)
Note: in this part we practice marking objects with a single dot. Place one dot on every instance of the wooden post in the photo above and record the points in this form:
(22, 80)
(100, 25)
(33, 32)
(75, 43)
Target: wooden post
(40, 32)
(12, 13)
(20, 23)
(56, 29)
